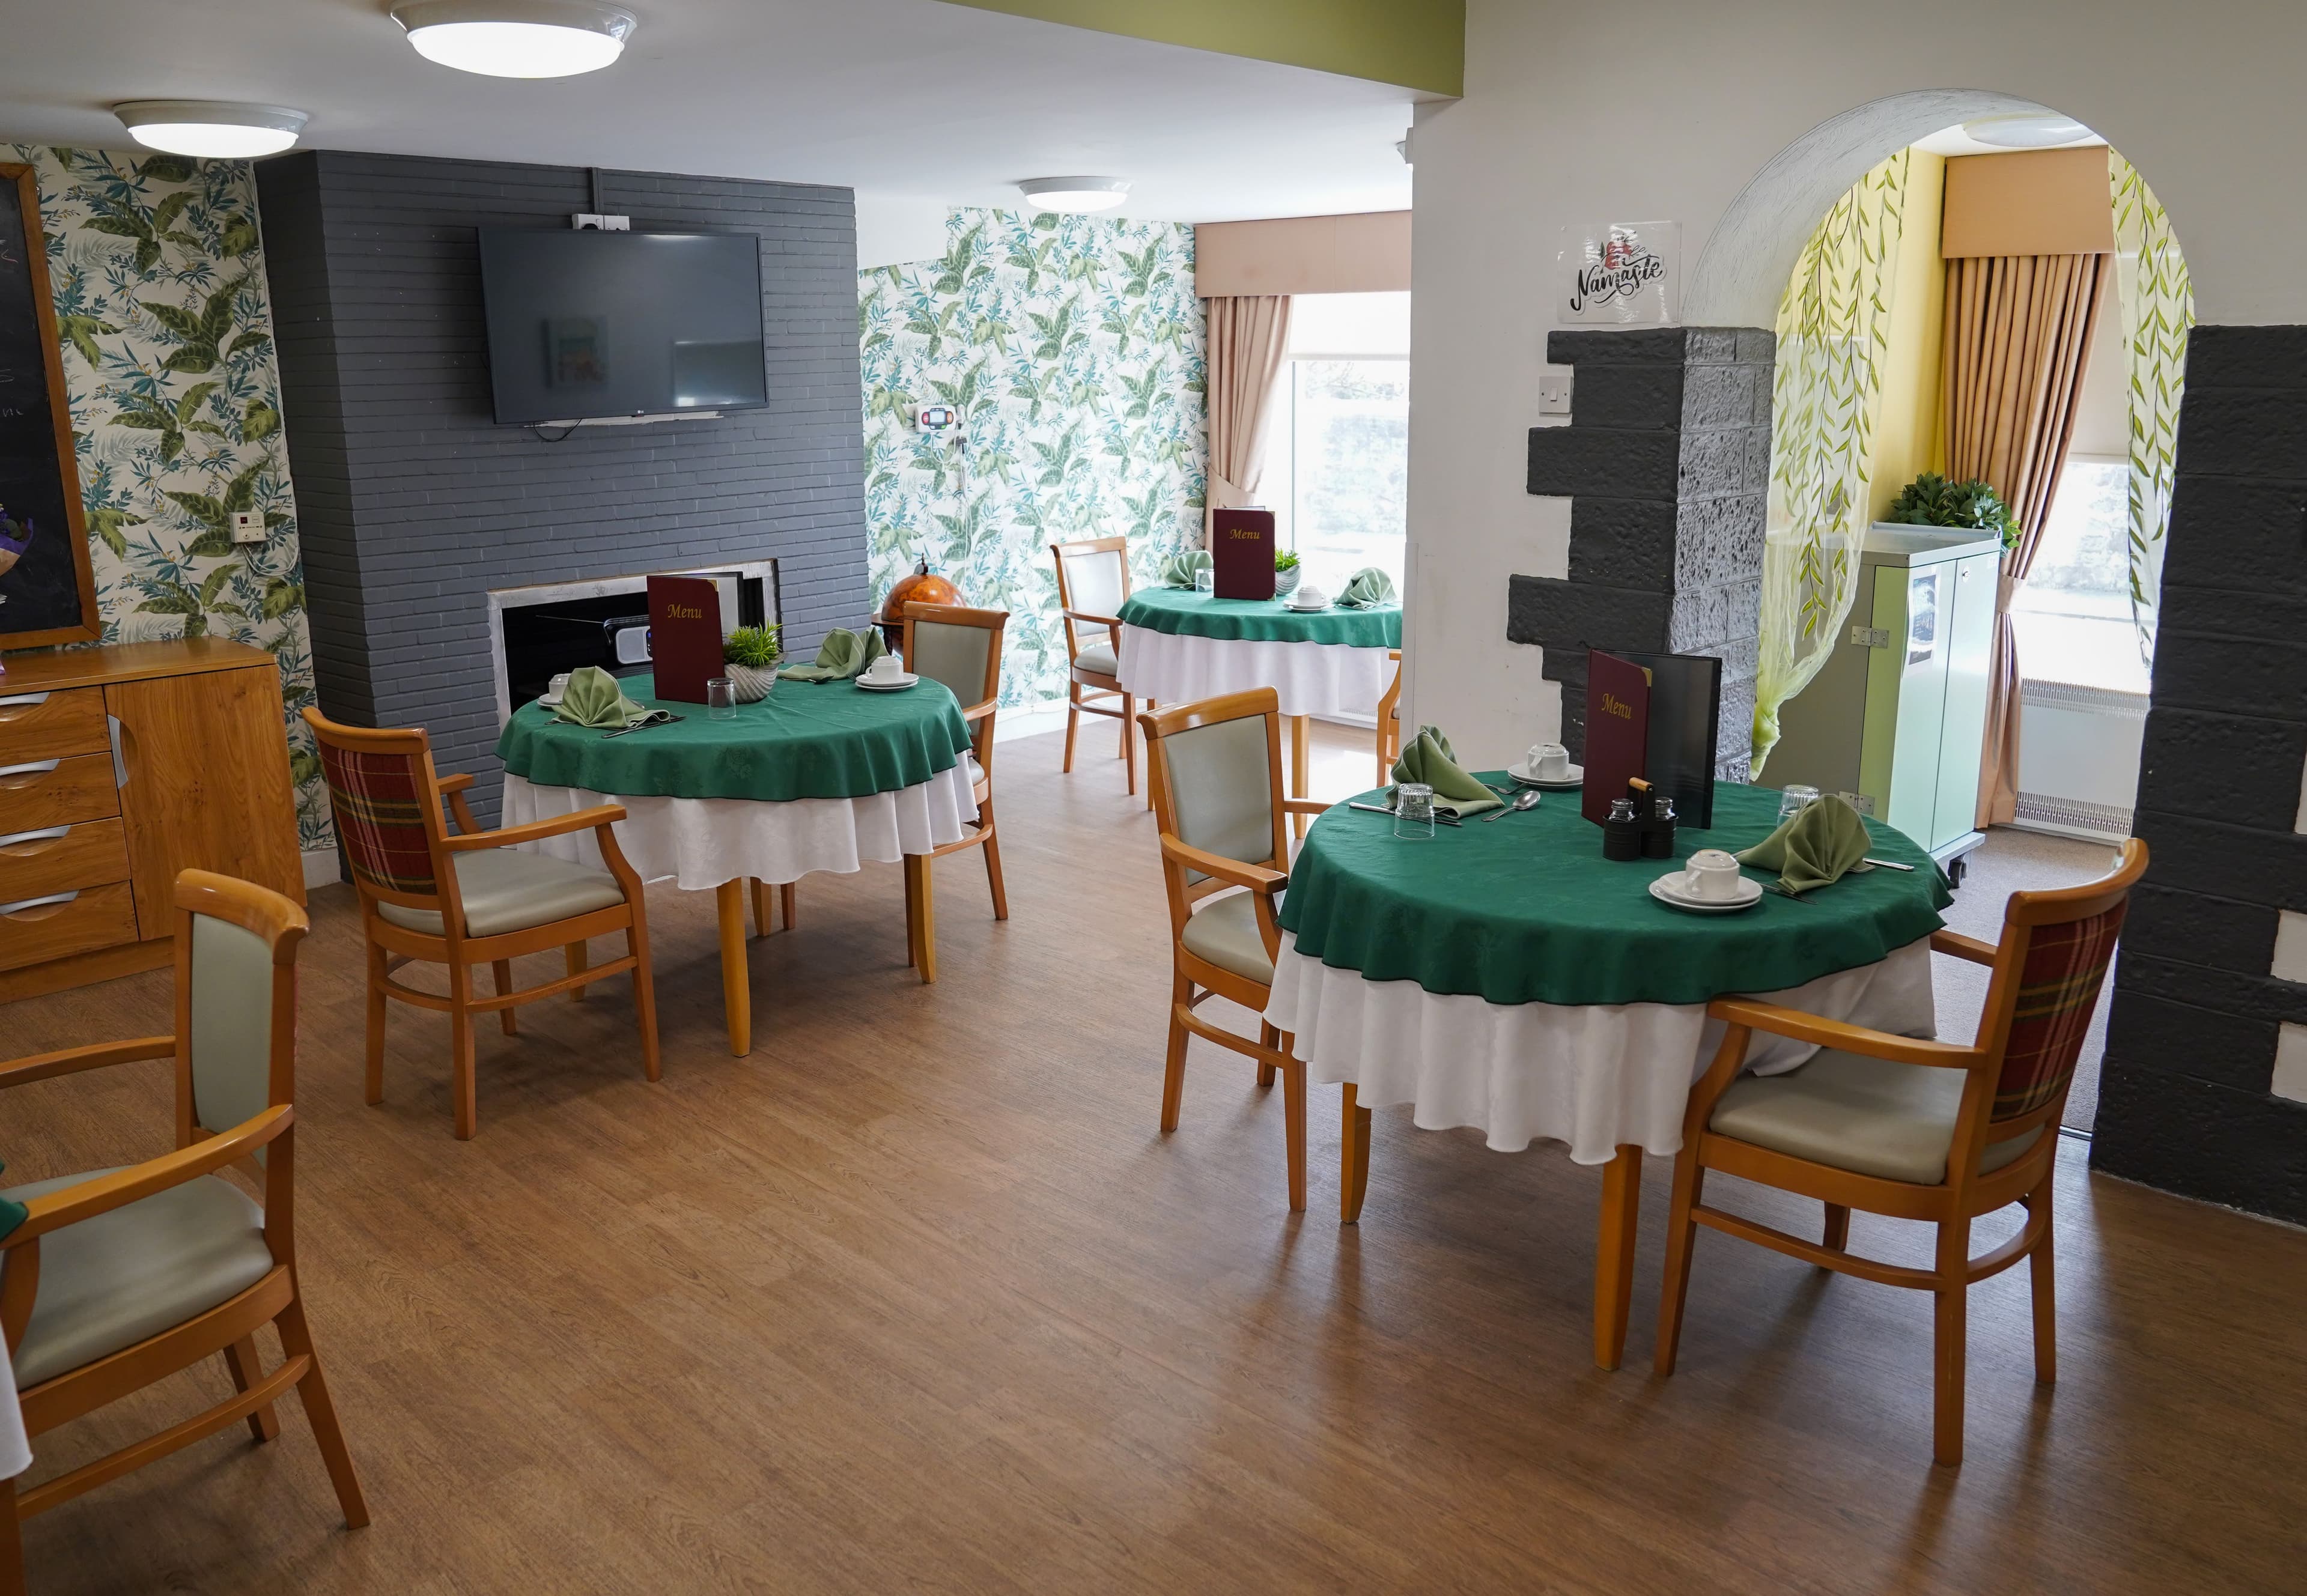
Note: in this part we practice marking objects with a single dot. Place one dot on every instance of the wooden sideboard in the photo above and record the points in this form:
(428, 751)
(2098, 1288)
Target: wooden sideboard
(119, 767)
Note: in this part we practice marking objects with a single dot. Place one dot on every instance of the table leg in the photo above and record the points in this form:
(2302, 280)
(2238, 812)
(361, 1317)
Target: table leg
(1150, 708)
(1354, 1146)
(785, 905)
(924, 919)
(1614, 1253)
(1300, 758)
(736, 991)
(759, 892)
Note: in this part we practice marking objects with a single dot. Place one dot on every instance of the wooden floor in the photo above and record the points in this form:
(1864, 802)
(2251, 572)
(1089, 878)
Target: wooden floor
(916, 1299)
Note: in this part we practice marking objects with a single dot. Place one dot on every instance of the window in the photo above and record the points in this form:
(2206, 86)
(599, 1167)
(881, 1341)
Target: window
(2072, 617)
(1337, 465)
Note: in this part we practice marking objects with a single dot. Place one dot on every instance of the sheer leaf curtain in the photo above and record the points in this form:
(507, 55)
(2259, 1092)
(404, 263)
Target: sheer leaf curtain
(1248, 343)
(2157, 305)
(2018, 337)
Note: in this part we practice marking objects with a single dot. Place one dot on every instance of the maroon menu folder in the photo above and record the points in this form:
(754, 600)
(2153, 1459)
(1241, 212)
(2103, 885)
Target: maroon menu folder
(1617, 731)
(684, 636)
(1241, 554)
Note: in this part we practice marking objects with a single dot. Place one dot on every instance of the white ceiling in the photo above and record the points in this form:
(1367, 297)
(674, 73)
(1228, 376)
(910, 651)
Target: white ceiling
(888, 96)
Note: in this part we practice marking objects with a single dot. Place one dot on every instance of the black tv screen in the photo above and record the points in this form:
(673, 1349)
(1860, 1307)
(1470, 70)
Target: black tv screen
(585, 325)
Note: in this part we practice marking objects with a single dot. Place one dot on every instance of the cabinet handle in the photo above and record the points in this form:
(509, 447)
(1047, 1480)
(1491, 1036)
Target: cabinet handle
(38, 768)
(53, 900)
(119, 758)
(23, 700)
(23, 840)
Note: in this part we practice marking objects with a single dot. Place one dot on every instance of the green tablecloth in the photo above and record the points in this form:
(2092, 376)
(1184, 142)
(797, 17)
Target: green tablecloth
(1526, 910)
(1178, 612)
(806, 740)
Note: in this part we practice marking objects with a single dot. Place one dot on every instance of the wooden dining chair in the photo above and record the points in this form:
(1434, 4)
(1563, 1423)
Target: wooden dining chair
(1389, 722)
(1936, 1131)
(473, 897)
(119, 1278)
(1092, 585)
(962, 649)
(1215, 768)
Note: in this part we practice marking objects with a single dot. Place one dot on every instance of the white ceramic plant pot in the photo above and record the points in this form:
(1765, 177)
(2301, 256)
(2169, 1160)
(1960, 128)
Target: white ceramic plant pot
(751, 684)
(1285, 582)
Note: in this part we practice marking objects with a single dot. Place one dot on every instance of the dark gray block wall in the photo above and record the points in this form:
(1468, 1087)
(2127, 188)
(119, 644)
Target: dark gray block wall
(2185, 1100)
(1667, 461)
(413, 502)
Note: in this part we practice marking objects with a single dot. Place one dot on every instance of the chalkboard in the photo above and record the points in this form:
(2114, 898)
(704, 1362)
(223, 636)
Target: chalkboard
(47, 593)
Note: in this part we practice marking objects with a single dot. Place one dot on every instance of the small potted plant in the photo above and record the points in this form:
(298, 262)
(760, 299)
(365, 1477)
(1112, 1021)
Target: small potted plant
(1932, 500)
(751, 656)
(1285, 574)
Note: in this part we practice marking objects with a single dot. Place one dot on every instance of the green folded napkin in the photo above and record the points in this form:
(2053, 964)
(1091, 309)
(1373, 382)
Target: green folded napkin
(1427, 758)
(842, 655)
(1815, 847)
(594, 698)
(1367, 589)
(12, 1213)
(1178, 570)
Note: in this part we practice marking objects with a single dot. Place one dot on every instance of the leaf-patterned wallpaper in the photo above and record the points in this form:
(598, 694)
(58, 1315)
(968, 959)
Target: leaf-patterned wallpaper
(158, 278)
(1074, 348)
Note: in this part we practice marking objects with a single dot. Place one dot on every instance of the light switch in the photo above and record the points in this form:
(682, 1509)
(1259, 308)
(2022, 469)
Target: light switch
(1554, 390)
(247, 526)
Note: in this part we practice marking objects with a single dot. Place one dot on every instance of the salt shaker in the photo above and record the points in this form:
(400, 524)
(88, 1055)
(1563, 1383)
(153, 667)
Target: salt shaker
(1622, 833)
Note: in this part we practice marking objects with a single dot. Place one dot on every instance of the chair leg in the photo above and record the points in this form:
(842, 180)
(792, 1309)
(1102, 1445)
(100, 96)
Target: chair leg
(1293, 1130)
(576, 959)
(297, 1340)
(2039, 1264)
(372, 1085)
(1681, 1234)
(644, 996)
(1354, 1144)
(503, 970)
(1949, 1330)
(240, 1358)
(1837, 1238)
(1268, 1037)
(1150, 757)
(993, 863)
(1301, 758)
(1173, 1066)
(1129, 743)
(1073, 723)
(12, 1543)
(463, 1093)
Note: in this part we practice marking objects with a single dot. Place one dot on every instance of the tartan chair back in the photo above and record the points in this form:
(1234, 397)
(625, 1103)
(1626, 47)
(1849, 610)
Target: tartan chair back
(379, 799)
(2059, 975)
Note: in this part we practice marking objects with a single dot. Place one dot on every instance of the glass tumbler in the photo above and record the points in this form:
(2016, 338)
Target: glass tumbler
(720, 699)
(1205, 580)
(1795, 800)
(1413, 811)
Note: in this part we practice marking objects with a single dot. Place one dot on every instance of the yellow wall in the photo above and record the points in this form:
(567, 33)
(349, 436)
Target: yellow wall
(1907, 441)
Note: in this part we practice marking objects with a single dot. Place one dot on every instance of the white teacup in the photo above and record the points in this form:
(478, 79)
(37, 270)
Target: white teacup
(886, 667)
(1713, 875)
(1549, 761)
(557, 687)
(1308, 598)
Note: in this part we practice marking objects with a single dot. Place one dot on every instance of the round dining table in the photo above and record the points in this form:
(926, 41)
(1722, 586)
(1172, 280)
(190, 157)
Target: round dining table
(1180, 644)
(815, 777)
(1503, 975)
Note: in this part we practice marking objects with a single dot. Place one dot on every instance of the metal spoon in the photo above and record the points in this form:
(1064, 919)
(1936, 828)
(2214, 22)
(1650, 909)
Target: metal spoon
(1528, 800)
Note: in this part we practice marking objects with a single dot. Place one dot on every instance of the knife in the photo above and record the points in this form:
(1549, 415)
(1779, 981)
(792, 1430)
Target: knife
(1440, 818)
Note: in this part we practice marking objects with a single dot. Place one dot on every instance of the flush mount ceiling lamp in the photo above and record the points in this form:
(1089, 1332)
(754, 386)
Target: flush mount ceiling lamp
(2026, 130)
(517, 39)
(213, 130)
(1073, 196)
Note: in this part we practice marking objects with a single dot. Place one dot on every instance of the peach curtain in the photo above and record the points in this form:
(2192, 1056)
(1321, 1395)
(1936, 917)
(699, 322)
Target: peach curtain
(2017, 339)
(1249, 340)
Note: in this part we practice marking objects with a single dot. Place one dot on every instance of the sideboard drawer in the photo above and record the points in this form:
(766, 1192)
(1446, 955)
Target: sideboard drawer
(60, 858)
(45, 726)
(42, 792)
(81, 922)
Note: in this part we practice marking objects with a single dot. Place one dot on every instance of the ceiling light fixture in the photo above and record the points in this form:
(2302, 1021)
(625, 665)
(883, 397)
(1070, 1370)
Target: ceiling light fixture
(517, 39)
(1073, 196)
(2026, 130)
(213, 130)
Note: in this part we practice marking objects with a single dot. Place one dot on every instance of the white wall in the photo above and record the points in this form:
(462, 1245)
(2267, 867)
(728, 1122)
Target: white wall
(1668, 111)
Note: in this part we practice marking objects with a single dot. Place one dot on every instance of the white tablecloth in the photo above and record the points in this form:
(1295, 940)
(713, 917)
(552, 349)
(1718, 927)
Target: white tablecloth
(1310, 678)
(1591, 1076)
(15, 1451)
(700, 843)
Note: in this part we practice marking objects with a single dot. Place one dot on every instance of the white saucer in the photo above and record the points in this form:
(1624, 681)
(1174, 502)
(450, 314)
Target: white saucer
(1520, 772)
(549, 700)
(1750, 893)
(1304, 609)
(892, 684)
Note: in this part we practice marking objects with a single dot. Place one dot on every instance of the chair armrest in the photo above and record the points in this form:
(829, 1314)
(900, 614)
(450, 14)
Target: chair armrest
(1851, 1039)
(505, 836)
(452, 788)
(1962, 947)
(71, 1061)
(1256, 877)
(1306, 806)
(88, 1198)
(1083, 616)
(455, 784)
(980, 711)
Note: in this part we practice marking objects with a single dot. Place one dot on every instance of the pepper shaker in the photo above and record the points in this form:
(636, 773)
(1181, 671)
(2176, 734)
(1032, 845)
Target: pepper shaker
(1622, 833)
(1658, 829)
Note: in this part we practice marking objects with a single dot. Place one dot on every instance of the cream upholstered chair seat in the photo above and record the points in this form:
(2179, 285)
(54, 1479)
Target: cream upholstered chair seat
(122, 1277)
(506, 890)
(1225, 931)
(1870, 1116)
(1099, 656)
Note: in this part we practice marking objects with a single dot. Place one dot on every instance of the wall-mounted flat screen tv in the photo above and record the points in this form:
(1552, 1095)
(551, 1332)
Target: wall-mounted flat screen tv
(584, 326)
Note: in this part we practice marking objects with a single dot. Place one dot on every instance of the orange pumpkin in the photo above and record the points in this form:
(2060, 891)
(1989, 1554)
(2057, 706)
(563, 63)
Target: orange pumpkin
(924, 585)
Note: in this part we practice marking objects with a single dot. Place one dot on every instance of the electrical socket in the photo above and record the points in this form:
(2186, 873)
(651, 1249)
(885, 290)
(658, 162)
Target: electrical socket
(595, 221)
(247, 526)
